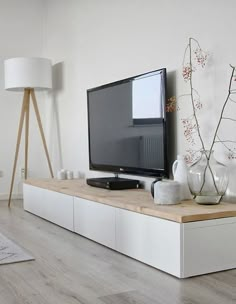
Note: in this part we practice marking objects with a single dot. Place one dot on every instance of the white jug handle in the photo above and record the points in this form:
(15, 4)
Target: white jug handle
(174, 166)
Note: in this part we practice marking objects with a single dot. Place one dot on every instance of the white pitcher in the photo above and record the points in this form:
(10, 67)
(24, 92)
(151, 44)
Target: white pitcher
(179, 170)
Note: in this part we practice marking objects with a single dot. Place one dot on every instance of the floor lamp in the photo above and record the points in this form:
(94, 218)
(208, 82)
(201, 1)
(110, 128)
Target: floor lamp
(27, 75)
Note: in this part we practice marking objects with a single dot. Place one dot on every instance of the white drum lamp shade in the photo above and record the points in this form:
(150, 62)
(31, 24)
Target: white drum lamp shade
(28, 74)
(24, 72)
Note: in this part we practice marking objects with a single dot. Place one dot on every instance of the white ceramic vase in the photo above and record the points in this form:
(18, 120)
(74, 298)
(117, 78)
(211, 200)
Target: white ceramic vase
(179, 170)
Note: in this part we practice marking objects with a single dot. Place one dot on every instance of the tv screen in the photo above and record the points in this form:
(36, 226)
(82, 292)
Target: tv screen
(127, 125)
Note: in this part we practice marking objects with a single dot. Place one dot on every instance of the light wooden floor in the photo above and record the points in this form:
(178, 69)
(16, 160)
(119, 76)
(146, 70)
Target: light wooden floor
(69, 269)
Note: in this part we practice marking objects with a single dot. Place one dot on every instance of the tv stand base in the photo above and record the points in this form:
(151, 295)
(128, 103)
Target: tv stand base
(113, 183)
(183, 240)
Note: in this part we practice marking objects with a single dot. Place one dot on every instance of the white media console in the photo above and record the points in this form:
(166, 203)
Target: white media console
(183, 240)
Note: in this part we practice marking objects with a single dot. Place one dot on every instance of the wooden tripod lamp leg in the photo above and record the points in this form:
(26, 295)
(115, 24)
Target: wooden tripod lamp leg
(41, 129)
(27, 109)
(25, 98)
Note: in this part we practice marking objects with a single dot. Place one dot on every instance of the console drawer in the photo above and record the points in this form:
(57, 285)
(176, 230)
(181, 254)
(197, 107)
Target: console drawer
(95, 221)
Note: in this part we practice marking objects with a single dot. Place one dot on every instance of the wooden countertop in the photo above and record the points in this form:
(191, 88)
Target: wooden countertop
(137, 200)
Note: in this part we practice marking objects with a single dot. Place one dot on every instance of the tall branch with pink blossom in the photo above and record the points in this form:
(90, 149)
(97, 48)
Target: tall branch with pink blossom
(195, 57)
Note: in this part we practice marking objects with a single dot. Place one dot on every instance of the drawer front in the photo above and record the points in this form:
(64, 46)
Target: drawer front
(209, 246)
(151, 240)
(50, 205)
(34, 200)
(95, 221)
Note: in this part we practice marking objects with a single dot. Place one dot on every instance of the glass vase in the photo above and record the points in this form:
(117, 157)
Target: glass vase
(208, 179)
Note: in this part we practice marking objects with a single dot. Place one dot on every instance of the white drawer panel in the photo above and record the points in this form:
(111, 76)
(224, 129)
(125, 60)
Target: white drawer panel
(209, 246)
(33, 200)
(151, 240)
(50, 205)
(95, 221)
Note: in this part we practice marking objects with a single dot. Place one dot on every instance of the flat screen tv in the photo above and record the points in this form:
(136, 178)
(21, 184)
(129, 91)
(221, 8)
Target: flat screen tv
(127, 126)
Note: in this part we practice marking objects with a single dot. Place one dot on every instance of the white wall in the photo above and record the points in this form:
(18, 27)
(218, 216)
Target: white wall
(100, 42)
(22, 33)
(97, 42)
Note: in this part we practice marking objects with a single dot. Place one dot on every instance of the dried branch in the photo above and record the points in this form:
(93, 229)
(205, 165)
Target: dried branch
(188, 75)
(192, 90)
(225, 141)
(232, 99)
(232, 153)
(223, 108)
(229, 118)
(194, 56)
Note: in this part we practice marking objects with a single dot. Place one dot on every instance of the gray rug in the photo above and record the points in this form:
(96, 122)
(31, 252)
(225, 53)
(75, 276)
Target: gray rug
(12, 253)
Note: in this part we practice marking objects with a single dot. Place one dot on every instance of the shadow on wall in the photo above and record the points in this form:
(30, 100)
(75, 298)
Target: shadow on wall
(171, 121)
(54, 128)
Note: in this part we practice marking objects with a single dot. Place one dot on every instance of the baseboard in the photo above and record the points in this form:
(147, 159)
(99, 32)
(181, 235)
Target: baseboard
(5, 196)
